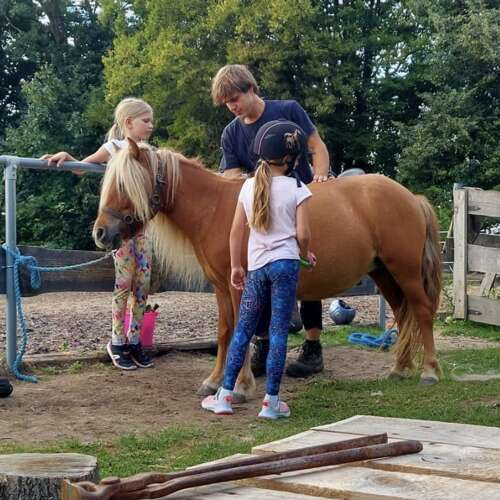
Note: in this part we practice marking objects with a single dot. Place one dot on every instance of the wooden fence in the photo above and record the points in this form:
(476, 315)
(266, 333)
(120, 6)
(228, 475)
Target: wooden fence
(469, 256)
(100, 277)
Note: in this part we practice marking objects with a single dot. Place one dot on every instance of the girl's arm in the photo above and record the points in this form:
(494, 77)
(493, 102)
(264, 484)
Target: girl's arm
(303, 228)
(235, 247)
(100, 156)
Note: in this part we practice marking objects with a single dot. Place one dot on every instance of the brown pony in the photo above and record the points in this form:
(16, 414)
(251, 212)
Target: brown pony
(360, 225)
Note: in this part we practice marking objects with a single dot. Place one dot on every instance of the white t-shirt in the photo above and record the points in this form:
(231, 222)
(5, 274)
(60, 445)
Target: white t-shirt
(279, 242)
(119, 143)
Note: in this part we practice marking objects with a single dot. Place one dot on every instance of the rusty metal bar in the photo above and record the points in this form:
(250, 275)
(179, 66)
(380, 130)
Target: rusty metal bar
(86, 490)
(161, 485)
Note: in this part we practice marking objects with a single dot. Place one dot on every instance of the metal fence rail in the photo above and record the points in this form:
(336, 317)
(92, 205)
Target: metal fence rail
(11, 164)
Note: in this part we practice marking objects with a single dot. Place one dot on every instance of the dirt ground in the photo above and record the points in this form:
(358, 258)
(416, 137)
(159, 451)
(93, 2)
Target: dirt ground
(100, 402)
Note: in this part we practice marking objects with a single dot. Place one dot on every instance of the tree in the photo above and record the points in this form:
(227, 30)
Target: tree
(348, 63)
(61, 109)
(455, 138)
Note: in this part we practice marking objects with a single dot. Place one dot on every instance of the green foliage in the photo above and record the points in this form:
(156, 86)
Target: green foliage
(455, 138)
(407, 88)
(62, 109)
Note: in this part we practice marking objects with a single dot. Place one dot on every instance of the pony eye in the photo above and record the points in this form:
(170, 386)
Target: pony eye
(128, 219)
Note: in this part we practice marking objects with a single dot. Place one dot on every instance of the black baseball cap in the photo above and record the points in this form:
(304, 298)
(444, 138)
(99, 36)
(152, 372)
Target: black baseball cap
(278, 138)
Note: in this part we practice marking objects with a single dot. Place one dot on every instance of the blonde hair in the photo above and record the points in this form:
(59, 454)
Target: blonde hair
(231, 79)
(261, 213)
(130, 107)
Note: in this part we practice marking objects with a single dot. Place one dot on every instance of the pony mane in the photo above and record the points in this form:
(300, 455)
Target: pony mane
(173, 250)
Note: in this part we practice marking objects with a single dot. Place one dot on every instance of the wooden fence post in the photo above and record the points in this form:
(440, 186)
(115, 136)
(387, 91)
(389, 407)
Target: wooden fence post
(460, 253)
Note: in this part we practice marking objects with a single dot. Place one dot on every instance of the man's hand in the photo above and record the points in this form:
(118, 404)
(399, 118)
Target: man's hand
(234, 173)
(320, 178)
(238, 278)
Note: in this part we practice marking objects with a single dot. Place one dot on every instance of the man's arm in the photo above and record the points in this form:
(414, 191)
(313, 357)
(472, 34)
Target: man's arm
(320, 157)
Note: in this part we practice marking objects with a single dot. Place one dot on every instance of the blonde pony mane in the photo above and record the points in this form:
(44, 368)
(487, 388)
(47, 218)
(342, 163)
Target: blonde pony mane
(173, 250)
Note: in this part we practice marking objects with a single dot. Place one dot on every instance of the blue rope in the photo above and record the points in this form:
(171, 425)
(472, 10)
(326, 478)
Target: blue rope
(383, 341)
(34, 269)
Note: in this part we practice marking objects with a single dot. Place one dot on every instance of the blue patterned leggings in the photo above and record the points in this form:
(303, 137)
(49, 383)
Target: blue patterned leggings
(278, 280)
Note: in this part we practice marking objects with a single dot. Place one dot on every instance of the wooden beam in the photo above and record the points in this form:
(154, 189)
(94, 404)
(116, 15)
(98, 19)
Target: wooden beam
(484, 202)
(483, 310)
(460, 252)
(486, 284)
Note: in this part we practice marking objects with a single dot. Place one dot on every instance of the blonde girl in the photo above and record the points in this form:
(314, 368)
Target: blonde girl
(133, 118)
(275, 206)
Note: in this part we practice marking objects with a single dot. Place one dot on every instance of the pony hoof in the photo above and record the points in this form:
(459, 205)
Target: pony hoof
(239, 398)
(428, 381)
(206, 390)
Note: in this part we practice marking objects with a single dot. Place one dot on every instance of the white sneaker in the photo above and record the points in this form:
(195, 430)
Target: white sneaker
(274, 411)
(219, 403)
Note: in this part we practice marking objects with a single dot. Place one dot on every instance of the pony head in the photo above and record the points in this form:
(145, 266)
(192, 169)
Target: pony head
(132, 193)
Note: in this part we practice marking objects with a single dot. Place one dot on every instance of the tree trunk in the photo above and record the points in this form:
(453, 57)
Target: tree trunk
(38, 476)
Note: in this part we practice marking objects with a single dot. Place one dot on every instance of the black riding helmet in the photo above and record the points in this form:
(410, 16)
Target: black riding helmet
(279, 138)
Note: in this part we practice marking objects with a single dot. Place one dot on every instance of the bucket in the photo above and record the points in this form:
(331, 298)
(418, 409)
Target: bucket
(148, 327)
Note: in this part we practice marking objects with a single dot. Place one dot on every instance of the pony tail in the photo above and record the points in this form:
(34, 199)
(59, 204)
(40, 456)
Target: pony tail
(261, 219)
(115, 132)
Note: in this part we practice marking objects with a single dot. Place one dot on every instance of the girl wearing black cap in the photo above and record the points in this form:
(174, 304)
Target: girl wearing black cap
(274, 204)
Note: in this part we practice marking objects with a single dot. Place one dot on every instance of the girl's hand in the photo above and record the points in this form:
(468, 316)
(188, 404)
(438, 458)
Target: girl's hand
(311, 258)
(58, 158)
(309, 262)
(238, 278)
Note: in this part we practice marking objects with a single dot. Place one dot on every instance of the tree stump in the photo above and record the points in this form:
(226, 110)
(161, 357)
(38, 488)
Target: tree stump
(39, 476)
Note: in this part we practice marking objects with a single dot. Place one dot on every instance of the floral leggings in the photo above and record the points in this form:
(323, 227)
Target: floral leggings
(133, 262)
(278, 280)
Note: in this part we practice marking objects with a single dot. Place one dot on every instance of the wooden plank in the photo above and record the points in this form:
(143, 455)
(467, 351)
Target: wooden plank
(460, 252)
(486, 284)
(301, 440)
(227, 491)
(96, 278)
(483, 260)
(361, 483)
(423, 430)
(465, 462)
(61, 358)
(483, 310)
(484, 202)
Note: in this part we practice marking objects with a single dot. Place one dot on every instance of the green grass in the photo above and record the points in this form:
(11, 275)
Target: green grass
(454, 327)
(320, 402)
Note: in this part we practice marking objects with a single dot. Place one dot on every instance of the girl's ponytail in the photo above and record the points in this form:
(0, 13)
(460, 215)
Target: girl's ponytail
(115, 132)
(261, 219)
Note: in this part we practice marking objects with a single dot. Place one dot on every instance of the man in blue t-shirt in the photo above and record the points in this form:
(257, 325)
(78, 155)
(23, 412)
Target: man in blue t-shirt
(235, 87)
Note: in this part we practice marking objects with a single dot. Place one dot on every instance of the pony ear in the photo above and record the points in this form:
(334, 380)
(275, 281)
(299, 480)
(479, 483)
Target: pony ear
(133, 148)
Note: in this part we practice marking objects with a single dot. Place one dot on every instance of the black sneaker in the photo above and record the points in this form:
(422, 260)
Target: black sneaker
(309, 361)
(260, 349)
(139, 357)
(120, 356)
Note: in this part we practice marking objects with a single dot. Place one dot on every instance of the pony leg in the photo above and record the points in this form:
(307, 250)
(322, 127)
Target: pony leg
(224, 332)
(393, 294)
(419, 316)
(245, 386)
(245, 383)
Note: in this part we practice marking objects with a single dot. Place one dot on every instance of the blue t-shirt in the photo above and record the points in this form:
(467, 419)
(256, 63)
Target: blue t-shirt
(237, 138)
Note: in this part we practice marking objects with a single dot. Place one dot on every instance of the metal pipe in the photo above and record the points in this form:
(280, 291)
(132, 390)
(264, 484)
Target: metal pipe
(10, 239)
(11, 165)
(67, 166)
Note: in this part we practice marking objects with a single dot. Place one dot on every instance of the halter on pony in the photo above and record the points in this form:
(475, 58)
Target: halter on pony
(155, 200)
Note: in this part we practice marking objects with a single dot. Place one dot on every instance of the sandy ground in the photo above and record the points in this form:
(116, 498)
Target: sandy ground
(100, 402)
